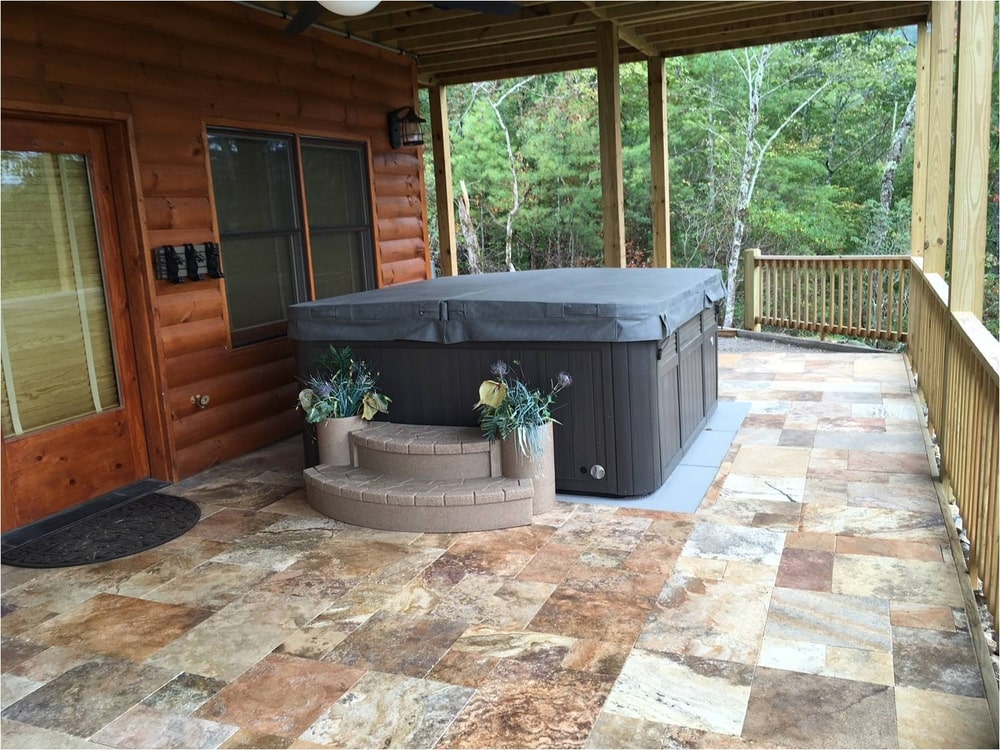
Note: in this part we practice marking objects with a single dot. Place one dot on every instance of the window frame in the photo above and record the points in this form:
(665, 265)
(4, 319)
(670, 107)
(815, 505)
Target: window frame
(300, 236)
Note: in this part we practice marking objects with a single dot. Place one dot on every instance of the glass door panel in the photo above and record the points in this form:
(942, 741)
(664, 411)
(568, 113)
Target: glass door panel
(58, 358)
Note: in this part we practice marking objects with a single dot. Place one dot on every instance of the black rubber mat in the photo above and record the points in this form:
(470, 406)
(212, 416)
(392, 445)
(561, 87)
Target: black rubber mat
(125, 529)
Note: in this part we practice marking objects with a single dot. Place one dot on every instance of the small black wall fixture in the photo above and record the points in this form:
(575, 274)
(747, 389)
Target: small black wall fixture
(404, 128)
(194, 262)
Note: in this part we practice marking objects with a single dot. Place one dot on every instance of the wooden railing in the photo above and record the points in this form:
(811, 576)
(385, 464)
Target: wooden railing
(863, 296)
(957, 363)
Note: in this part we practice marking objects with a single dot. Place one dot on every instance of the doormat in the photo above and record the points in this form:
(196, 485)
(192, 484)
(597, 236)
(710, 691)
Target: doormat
(126, 529)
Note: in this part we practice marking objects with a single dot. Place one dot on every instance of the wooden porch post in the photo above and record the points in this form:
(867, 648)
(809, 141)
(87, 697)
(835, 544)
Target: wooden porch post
(939, 129)
(972, 156)
(609, 117)
(659, 161)
(918, 218)
(442, 181)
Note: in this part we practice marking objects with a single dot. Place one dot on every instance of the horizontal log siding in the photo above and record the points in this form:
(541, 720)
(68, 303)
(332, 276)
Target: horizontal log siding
(173, 68)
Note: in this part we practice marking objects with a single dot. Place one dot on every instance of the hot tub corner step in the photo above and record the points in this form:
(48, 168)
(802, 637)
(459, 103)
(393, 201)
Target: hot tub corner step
(426, 451)
(364, 497)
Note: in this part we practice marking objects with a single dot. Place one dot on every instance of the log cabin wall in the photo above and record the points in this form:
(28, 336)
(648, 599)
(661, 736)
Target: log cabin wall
(169, 69)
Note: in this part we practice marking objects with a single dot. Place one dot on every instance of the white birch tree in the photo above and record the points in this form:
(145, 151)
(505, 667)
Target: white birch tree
(754, 67)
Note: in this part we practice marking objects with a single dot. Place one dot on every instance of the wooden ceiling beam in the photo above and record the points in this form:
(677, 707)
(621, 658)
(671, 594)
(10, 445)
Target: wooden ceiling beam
(422, 15)
(459, 45)
(762, 13)
(561, 16)
(776, 36)
(568, 44)
(625, 33)
(502, 56)
(791, 13)
(800, 29)
(552, 65)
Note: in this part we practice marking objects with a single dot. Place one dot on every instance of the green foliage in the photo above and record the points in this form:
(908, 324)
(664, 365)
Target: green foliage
(818, 191)
(509, 407)
(341, 387)
(798, 213)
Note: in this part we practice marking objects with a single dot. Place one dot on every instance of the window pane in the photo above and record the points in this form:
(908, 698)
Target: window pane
(338, 263)
(58, 358)
(253, 179)
(259, 280)
(336, 185)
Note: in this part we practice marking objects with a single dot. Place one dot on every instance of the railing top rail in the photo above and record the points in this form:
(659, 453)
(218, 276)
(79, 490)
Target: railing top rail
(934, 280)
(831, 258)
(981, 342)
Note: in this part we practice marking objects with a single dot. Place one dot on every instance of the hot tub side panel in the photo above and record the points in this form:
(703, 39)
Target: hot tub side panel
(637, 414)
(438, 384)
(633, 410)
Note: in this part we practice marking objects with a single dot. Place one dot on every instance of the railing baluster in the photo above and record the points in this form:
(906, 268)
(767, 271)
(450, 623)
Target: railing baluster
(862, 296)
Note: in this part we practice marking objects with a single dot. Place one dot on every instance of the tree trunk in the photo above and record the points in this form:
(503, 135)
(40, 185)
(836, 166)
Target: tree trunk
(515, 191)
(755, 80)
(753, 160)
(468, 231)
(880, 227)
(508, 246)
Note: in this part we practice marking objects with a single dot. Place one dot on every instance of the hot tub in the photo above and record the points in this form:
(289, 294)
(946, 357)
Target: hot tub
(639, 343)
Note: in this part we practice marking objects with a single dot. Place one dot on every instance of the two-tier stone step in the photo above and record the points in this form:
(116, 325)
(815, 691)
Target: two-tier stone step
(426, 451)
(421, 478)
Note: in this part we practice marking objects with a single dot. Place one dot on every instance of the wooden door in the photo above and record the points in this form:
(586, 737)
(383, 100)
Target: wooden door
(72, 419)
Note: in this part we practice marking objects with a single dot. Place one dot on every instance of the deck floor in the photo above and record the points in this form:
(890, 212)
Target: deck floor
(811, 601)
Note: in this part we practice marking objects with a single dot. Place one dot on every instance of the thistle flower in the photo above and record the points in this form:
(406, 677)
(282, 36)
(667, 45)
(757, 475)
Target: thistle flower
(499, 368)
(564, 380)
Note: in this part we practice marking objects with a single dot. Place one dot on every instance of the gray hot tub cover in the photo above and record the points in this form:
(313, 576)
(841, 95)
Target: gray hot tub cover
(564, 304)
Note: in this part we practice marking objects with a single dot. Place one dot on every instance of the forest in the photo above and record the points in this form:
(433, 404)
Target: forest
(802, 148)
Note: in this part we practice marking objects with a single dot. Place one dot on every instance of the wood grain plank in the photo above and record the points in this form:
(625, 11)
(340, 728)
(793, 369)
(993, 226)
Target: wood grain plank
(178, 180)
(178, 212)
(404, 271)
(195, 336)
(190, 368)
(192, 301)
(217, 419)
(233, 386)
(236, 442)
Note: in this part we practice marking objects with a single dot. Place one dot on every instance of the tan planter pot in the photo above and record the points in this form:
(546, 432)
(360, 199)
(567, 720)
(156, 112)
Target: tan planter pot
(540, 469)
(333, 437)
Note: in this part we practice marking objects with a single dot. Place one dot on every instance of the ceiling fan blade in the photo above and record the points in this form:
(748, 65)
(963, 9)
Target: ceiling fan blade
(307, 15)
(494, 7)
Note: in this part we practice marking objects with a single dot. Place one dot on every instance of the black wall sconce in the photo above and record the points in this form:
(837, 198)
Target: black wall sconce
(404, 128)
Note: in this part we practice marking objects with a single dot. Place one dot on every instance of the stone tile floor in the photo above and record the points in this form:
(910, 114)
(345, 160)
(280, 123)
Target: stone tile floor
(810, 602)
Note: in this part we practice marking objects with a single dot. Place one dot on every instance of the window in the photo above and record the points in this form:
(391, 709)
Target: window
(266, 184)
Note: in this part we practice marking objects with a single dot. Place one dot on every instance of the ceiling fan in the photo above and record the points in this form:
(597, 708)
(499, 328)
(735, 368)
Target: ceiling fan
(312, 11)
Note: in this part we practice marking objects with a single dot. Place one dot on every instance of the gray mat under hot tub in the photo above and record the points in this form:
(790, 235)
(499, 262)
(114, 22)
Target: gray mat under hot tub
(688, 483)
(565, 304)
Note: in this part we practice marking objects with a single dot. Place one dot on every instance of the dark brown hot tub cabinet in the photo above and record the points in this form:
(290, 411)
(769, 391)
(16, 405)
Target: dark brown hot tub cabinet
(639, 343)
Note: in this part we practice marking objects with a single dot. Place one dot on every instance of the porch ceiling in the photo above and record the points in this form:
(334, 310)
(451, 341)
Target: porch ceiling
(459, 45)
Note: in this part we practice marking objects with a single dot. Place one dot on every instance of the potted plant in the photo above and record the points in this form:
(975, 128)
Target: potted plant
(338, 399)
(521, 419)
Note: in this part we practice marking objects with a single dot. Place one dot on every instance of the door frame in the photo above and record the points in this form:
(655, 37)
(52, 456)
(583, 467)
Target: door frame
(137, 267)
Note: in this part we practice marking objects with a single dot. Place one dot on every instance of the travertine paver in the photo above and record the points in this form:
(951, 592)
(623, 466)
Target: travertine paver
(811, 601)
